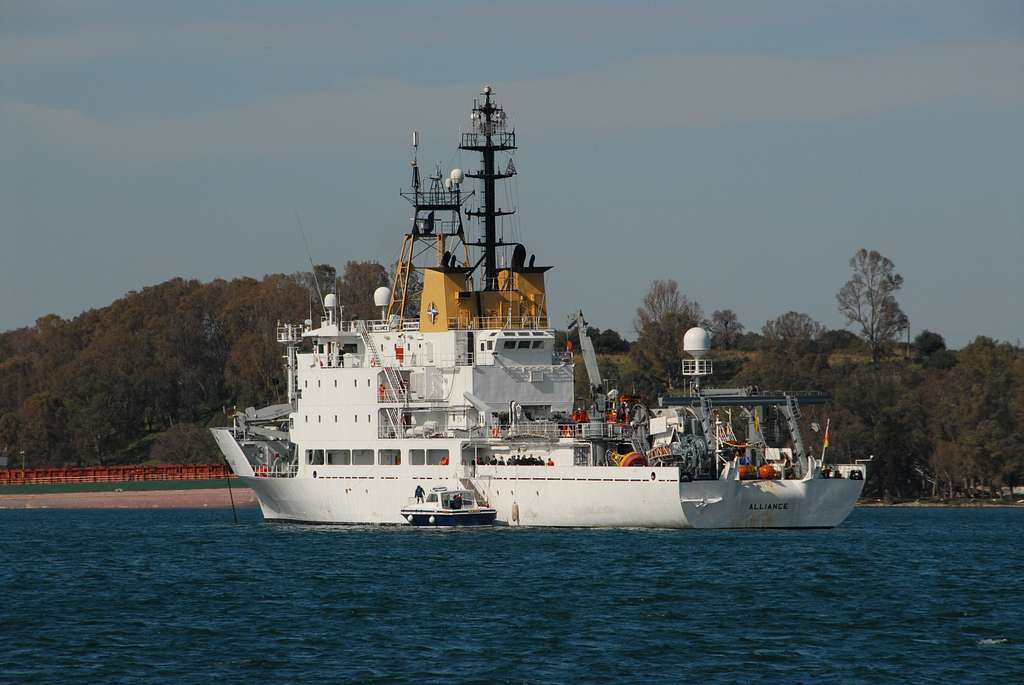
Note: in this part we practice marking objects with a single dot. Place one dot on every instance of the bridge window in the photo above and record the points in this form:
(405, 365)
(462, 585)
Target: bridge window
(509, 344)
(417, 457)
(537, 344)
(362, 457)
(524, 344)
(436, 457)
(315, 457)
(339, 457)
(389, 457)
(490, 344)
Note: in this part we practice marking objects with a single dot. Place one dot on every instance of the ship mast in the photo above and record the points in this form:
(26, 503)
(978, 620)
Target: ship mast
(436, 219)
(488, 136)
(467, 295)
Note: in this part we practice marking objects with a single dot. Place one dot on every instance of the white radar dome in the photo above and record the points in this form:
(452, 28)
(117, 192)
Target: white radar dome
(330, 301)
(457, 176)
(696, 342)
(381, 296)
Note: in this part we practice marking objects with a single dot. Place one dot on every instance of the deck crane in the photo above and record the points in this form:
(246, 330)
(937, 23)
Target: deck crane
(576, 321)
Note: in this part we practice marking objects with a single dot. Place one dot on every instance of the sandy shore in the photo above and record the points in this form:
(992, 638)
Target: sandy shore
(134, 499)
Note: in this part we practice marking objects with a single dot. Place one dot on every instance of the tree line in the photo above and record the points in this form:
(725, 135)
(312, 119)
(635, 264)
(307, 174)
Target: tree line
(143, 378)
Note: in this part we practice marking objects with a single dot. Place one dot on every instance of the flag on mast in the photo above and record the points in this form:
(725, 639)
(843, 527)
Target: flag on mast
(824, 442)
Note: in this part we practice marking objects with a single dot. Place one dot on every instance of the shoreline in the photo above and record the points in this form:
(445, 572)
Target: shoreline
(925, 504)
(131, 499)
(177, 495)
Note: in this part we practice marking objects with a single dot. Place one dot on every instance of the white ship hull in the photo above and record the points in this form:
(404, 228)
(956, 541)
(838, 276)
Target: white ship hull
(566, 497)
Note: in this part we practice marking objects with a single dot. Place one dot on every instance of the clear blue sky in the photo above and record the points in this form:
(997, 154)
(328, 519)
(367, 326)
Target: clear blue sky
(745, 149)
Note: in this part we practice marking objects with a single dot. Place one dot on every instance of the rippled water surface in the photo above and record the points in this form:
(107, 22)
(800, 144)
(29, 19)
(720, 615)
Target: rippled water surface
(185, 596)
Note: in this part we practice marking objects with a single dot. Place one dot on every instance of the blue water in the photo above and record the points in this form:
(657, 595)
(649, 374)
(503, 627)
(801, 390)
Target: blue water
(185, 596)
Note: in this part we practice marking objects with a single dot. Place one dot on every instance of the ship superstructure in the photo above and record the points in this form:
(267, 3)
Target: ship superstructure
(458, 386)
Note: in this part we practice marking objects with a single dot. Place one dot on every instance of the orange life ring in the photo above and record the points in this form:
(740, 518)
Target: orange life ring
(444, 461)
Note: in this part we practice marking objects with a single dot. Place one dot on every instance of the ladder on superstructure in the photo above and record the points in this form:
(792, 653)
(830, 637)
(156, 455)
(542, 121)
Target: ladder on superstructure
(393, 380)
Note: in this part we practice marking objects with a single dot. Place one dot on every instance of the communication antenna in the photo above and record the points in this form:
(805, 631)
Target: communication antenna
(312, 268)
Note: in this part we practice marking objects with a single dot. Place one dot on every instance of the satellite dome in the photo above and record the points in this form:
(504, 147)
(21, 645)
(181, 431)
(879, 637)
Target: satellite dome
(330, 301)
(456, 176)
(696, 342)
(381, 296)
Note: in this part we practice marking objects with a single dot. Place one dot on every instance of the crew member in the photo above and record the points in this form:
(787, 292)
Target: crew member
(419, 493)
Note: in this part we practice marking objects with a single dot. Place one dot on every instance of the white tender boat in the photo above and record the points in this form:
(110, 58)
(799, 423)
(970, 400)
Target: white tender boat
(445, 507)
(459, 386)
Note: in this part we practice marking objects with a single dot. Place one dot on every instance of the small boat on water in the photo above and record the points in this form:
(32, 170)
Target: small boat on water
(445, 507)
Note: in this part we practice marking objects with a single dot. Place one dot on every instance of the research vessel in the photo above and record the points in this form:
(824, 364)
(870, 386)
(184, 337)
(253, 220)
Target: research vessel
(459, 386)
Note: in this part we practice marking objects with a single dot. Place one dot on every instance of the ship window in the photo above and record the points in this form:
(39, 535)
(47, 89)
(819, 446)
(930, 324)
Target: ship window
(291, 422)
(318, 417)
(416, 457)
(481, 347)
(490, 344)
(306, 384)
(432, 497)
(367, 382)
(389, 457)
(537, 344)
(435, 457)
(335, 418)
(307, 418)
(355, 383)
(355, 418)
(509, 345)
(318, 384)
(524, 344)
(339, 457)
(367, 418)
(362, 457)
(315, 457)
(335, 382)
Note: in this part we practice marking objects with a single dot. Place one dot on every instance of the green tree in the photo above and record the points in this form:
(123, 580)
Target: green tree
(792, 330)
(662, 319)
(868, 300)
(726, 328)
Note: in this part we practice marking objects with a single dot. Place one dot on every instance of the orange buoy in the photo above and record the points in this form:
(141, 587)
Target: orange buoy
(444, 461)
(747, 472)
(767, 472)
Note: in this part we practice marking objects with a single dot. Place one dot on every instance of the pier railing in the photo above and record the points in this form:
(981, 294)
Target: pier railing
(114, 474)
